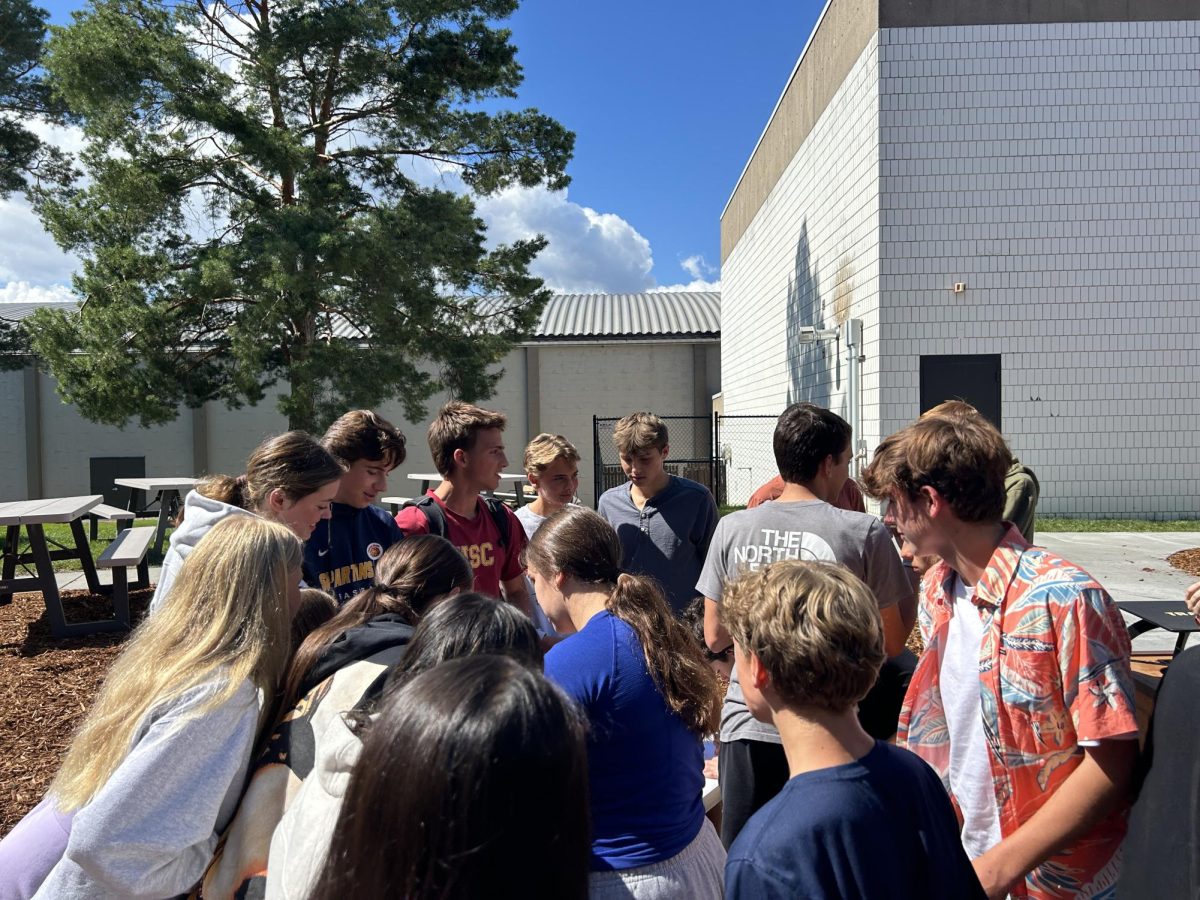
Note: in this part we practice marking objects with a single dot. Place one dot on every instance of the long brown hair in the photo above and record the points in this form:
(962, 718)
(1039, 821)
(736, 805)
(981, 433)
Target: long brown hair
(578, 542)
(409, 576)
(294, 463)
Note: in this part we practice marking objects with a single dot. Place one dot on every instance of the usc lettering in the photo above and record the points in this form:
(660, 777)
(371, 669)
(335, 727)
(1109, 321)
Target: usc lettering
(347, 574)
(479, 555)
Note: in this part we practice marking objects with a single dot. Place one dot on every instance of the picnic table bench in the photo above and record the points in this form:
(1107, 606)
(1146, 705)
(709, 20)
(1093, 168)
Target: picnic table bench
(33, 515)
(166, 491)
(123, 517)
(1169, 615)
(128, 550)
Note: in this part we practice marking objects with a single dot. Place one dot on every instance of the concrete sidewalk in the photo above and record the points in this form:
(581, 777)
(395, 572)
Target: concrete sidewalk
(74, 581)
(1131, 566)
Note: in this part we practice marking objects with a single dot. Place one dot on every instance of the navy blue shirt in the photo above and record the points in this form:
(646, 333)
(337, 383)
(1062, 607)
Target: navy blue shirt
(644, 766)
(666, 539)
(880, 827)
(340, 556)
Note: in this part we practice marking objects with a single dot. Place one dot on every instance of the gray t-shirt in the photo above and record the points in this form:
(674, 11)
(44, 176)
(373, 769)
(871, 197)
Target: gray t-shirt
(803, 529)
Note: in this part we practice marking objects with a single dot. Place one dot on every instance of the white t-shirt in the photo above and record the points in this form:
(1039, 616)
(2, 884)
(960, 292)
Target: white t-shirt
(531, 522)
(970, 769)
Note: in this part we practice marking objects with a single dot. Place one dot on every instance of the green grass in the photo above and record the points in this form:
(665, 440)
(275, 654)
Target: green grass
(727, 509)
(1056, 523)
(61, 534)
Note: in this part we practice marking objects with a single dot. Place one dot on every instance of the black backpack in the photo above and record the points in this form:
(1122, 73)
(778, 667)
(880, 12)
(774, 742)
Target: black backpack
(437, 519)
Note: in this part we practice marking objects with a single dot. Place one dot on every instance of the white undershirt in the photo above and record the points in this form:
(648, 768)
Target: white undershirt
(970, 770)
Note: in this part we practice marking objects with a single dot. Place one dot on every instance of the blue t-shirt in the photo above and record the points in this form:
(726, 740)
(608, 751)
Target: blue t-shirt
(645, 767)
(666, 539)
(340, 556)
(880, 827)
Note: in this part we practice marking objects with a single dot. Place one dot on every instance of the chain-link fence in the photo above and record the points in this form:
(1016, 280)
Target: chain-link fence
(691, 452)
(745, 456)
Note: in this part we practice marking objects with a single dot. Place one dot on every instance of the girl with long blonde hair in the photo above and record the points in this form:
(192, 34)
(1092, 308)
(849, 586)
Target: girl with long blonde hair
(157, 767)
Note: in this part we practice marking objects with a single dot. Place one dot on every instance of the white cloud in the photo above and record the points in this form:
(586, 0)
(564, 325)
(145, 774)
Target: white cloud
(24, 292)
(588, 251)
(698, 284)
(698, 268)
(27, 252)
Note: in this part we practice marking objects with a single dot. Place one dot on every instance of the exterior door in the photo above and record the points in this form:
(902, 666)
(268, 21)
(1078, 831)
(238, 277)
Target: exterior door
(973, 378)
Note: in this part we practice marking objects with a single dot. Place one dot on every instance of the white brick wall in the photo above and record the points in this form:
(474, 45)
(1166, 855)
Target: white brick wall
(809, 257)
(1056, 170)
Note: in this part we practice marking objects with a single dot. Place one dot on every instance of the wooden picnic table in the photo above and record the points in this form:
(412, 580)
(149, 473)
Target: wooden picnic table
(426, 479)
(33, 515)
(166, 490)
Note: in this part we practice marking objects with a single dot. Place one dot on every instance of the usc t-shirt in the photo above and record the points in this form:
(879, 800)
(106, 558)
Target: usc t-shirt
(478, 539)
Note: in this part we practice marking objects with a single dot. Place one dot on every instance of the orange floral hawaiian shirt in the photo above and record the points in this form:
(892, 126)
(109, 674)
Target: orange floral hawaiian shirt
(1053, 671)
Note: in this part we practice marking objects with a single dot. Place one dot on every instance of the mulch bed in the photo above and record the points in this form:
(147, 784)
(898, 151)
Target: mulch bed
(1187, 560)
(46, 685)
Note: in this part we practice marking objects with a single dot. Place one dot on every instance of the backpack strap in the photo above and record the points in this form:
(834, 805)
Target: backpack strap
(433, 514)
(437, 518)
(499, 513)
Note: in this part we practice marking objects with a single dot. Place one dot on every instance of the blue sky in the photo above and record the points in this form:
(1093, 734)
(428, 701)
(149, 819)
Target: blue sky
(667, 100)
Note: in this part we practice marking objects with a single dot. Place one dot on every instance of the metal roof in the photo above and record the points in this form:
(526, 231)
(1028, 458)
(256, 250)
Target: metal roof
(674, 314)
(574, 317)
(14, 312)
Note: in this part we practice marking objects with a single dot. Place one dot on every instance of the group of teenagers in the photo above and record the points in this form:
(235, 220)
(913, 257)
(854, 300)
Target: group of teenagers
(326, 701)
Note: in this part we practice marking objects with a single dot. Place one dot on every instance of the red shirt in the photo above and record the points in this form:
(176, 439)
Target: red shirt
(479, 541)
(849, 498)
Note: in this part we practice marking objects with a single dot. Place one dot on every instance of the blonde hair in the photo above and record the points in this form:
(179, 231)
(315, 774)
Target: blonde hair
(814, 626)
(640, 431)
(545, 450)
(228, 621)
(455, 428)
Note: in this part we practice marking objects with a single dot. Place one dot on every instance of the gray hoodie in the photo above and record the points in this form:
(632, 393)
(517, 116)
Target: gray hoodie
(200, 513)
(302, 837)
(152, 829)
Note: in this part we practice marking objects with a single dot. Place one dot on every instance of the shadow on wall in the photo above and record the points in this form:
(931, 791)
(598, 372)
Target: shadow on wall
(814, 370)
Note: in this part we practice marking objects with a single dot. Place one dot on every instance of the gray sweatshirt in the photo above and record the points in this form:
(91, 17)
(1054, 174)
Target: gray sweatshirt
(151, 830)
(302, 838)
(200, 513)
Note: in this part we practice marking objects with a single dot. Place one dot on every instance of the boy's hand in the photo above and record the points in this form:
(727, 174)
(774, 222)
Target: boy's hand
(1192, 599)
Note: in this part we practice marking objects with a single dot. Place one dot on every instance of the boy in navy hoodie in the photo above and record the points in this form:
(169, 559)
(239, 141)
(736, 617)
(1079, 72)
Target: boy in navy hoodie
(341, 554)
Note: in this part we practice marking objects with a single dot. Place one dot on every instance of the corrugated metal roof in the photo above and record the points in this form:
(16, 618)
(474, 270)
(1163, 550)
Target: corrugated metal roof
(657, 314)
(670, 314)
(14, 312)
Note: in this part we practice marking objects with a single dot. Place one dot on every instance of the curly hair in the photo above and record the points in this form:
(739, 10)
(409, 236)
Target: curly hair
(814, 626)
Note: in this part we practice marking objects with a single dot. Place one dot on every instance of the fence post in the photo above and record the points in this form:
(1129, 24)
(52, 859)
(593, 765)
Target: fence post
(597, 465)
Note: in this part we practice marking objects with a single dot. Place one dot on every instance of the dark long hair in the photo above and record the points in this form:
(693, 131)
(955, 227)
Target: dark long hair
(468, 766)
(465, 625)
(578, 542)
(410, 575)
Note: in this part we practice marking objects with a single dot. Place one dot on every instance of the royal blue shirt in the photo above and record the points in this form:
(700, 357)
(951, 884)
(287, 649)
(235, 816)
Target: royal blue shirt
(880, 827)
(644, 765)
(340, 556)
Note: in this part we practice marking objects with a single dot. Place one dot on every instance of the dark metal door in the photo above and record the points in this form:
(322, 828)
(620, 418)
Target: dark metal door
(973, 378)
